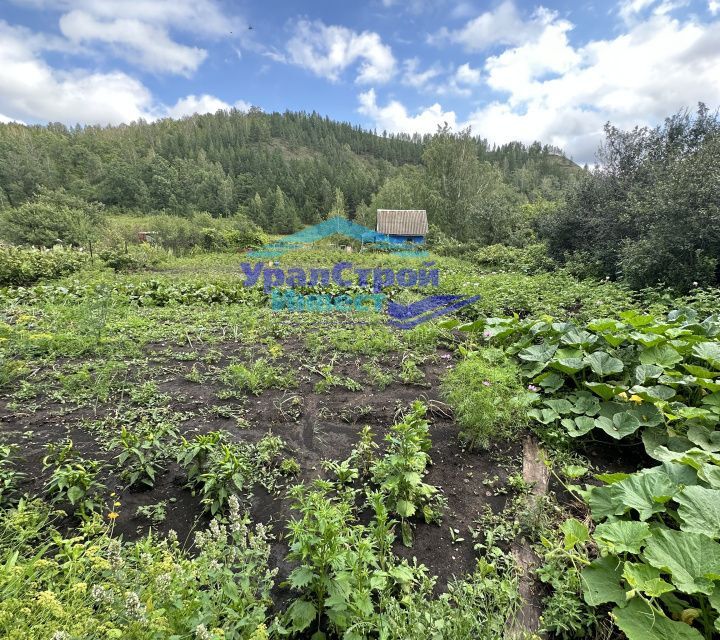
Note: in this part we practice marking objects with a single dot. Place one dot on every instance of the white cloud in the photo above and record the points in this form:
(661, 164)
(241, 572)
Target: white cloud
(142, 43)
(394, 117)
(205, 103)
(328, 50)
(547, 89)
(413, 77)
(503, 25)
(140, 30)
(191, 16)
(6, 119)
(465, 74)
(714, 7)
(33, 91)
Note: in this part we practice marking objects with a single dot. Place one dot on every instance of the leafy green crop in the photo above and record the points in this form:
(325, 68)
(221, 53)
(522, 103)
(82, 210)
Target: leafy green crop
(617, 376)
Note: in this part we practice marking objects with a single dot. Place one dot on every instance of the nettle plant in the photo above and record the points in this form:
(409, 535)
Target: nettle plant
(617, 376)
(399, 473)
(344, 568)
(658, 537)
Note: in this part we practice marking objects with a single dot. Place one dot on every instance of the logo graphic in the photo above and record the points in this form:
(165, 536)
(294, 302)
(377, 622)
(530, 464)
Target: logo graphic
(281, 283)
(411, 315)
(337, 226)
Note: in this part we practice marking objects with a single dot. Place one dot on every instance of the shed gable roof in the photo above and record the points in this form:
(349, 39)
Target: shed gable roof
(402, 222)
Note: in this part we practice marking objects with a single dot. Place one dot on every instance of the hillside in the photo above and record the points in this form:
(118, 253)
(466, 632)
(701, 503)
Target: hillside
(218, 162)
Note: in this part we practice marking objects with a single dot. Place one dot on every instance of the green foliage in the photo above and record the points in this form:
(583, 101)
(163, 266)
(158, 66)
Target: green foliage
(138, 258)
(658, 537)
(480, 606)
(73, 479)
(219, 470)
(21, 267)
(647, 213)
(486, 393)
(399, 473)
(9, 476)
(86, 584)
(51, 218)
(258, 376)
(145, 441)
(342, 572)
(617, 376)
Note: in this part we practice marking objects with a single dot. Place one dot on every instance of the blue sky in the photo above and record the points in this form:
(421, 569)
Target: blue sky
(554, 71)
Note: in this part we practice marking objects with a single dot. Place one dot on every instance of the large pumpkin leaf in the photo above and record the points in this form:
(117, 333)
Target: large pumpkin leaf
(538, 353)
(693, 559)
(603, 364)
(662, 355)
(621, 536)
(604, 390)
(639, 622)
(704, 438)
(645, 372)
(709, 352)
(601, 582)
(621, 425)
(646, 492)
(642, 577)
(700, 510)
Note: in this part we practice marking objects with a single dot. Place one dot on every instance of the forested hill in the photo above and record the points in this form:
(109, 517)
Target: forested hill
(219, 162)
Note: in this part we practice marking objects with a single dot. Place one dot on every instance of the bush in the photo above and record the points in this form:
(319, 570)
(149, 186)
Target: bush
(136, 258)
(21, 267)
(53, 217)
(198, 231)
(488, 398)
(500, 257)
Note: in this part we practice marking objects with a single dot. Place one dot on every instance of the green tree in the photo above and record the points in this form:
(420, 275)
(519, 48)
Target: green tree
(53, 217)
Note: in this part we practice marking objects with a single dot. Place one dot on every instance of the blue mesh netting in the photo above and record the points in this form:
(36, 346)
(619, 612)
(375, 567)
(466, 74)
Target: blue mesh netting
(329, 227)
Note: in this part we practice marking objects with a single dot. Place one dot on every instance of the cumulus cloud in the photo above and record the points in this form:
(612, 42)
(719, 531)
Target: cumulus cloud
(328, 50)
(140, 30)
(394, 117)
(205, 103)
(33, 91)
(502, 26)
(547, 89)
(144, 44)
(465, 74)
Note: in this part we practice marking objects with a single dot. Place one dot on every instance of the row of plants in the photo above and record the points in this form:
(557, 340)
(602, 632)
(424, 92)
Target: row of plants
(25, 266)
(649, 555)
(150, 292)
(634, 374)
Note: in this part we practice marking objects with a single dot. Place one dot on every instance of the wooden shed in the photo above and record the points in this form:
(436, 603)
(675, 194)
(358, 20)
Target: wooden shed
(403, 225)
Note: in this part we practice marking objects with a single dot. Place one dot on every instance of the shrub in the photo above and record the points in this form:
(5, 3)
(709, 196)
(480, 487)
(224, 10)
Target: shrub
(486, 392)
(22, 267)
(134, 258)
(53, 217)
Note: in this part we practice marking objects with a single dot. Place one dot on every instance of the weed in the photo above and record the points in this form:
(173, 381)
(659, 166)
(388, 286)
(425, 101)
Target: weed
(9, 476)
(257, 377)
(74, 479)
(400, 471)
(489, 400)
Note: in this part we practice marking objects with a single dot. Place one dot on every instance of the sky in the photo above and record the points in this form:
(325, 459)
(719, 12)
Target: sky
(554, 71)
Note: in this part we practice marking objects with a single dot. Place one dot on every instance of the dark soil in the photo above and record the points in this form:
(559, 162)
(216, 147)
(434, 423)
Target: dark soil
(315, 426)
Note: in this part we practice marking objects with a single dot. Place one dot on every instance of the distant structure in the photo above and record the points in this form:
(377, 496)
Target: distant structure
(403, 225)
